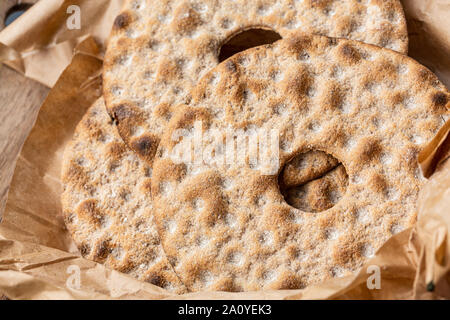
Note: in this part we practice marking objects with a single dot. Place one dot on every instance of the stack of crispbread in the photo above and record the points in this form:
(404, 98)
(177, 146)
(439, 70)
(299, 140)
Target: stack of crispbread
(329, 78)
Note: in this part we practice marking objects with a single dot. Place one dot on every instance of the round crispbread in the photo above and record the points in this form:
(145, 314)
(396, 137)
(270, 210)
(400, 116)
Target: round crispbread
(158, 51)
(226, 225)
(107, 205)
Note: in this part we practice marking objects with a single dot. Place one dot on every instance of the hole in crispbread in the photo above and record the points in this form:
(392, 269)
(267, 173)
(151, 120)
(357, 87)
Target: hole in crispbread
(313, 181)
(247, 39)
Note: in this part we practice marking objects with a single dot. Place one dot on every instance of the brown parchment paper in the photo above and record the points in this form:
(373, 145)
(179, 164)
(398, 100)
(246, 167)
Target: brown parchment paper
(38, 259)
(429, 34)
(40, 45)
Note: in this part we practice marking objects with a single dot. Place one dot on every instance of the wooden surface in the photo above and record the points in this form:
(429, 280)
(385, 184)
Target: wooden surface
(20, 99)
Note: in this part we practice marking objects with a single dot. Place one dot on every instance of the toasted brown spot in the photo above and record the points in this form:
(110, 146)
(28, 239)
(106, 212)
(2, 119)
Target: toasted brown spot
(409, 160)
(349, 54)
(113, 165)
(319, 4)
(116, 150)
(88, 210)
(238, 93)
(122, 112)
(384, 70)
(126, 268)
(147, 186)
(168, 70)
(278, 215)
(333, 97)
(102, 251)
(93, 129)
(189, 116)
(291, 282)
(146, 146)
(293, 252)
(298, 44)
(326, 224)
(257, 86)
(397, 97)
(84, 249)
(298, 86)
(186, 19)
(440, 99)
(76, 173)
(163, 110)
(157, 280)
(388, 6)
(227, 285)
(426, 76)
(368, 149)
(377, 183)
(203, 45)
(336, 135)
(345, 25)
(346, 251)
(332, 42)
(122, 20)
(165, 170)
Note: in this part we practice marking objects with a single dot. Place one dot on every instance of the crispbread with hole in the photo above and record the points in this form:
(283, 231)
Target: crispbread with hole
(227, 226)
(107, 205)
(158, 51)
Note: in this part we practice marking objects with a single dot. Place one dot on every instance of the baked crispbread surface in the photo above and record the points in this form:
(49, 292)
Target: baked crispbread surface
(107, 203)
(227, 227)
(158, 50)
